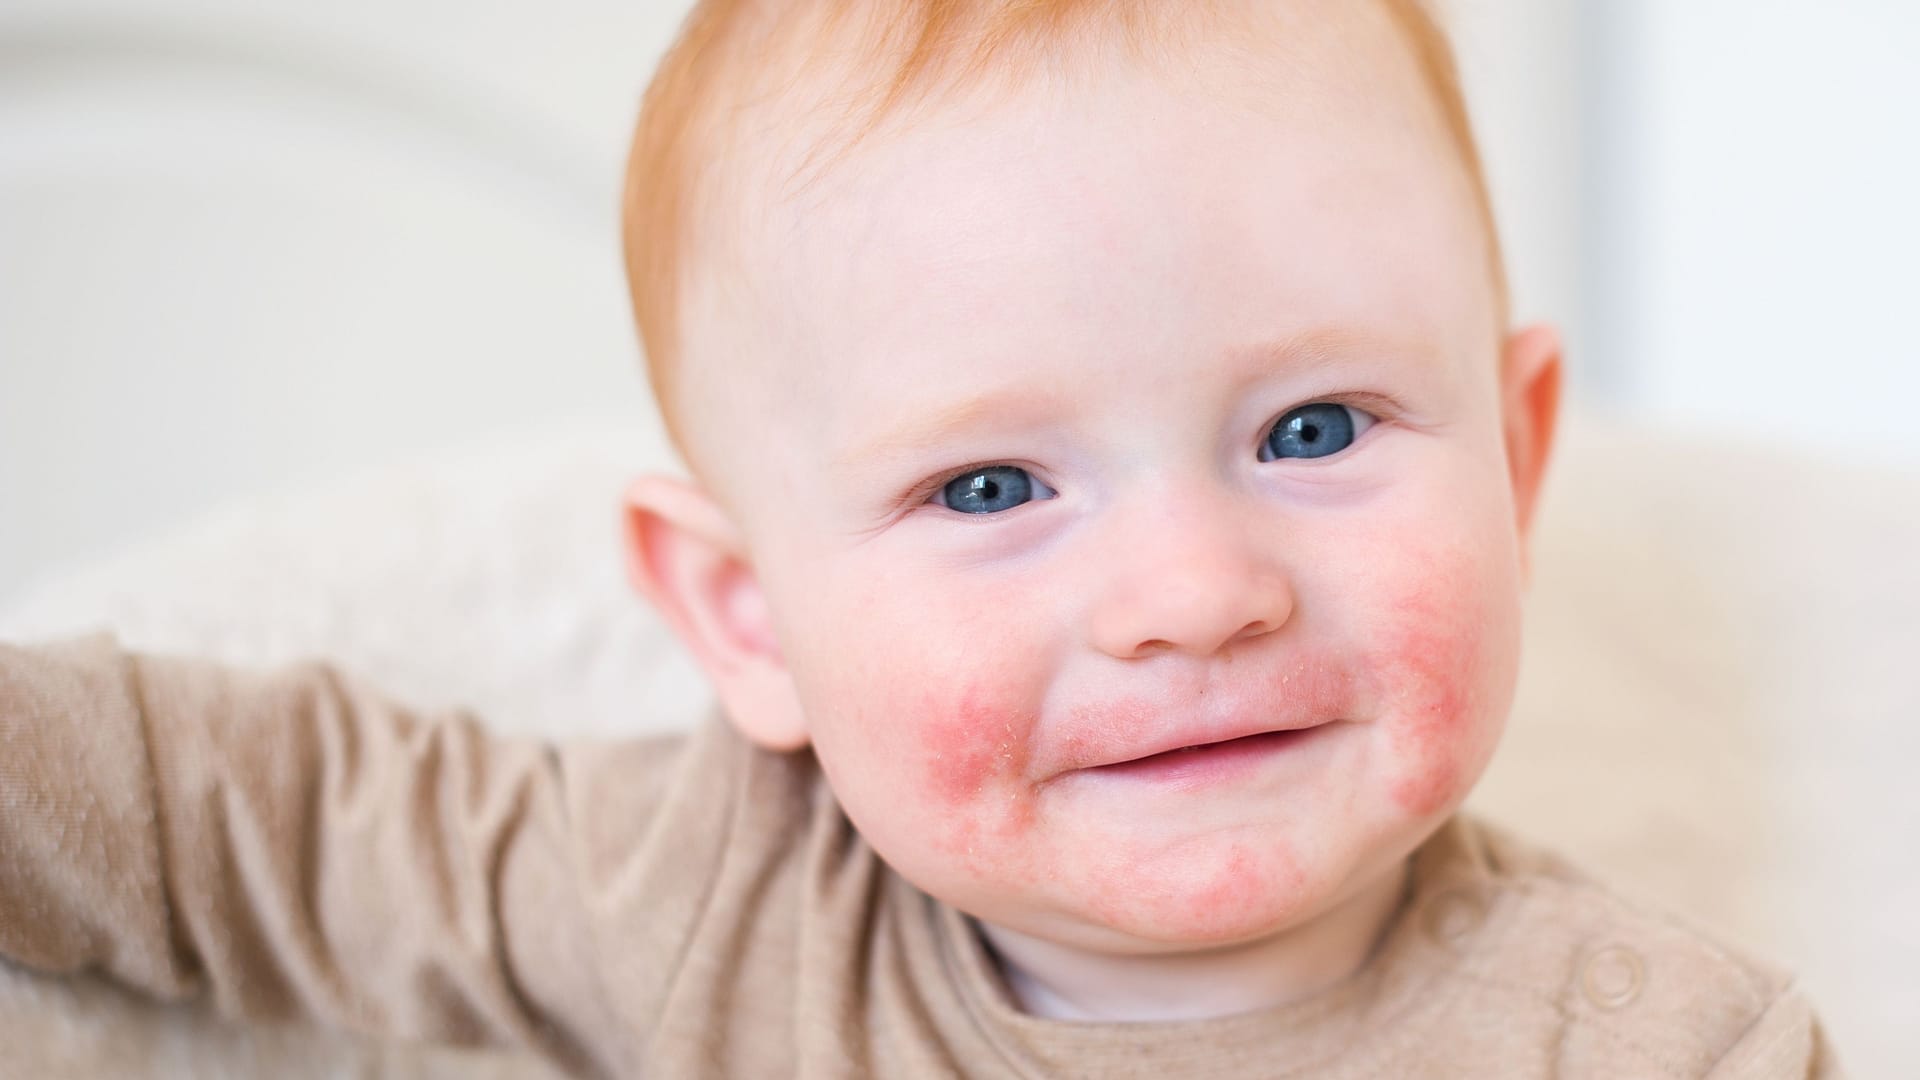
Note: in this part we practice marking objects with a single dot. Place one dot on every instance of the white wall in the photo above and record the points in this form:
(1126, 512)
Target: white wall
(245, 248)
(1766, 160)
(1519, 62)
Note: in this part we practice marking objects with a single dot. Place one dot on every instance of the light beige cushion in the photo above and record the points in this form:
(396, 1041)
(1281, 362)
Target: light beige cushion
(1719, 707)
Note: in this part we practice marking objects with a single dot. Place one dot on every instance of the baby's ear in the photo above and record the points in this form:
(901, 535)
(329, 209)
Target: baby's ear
(686, 556)
(1530, 409)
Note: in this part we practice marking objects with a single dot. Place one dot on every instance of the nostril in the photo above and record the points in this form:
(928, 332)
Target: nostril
(1255, 629)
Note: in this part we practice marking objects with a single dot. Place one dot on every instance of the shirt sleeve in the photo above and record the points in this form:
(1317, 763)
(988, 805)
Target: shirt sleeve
(297, 847)
(1786, 1042)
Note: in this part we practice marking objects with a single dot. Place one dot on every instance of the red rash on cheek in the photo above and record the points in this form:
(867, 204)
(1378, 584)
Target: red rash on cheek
(1435, 705)
(969, 742)
(976, 751)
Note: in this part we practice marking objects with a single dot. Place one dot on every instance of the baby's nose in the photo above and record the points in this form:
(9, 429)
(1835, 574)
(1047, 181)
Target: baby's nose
(1193, 581)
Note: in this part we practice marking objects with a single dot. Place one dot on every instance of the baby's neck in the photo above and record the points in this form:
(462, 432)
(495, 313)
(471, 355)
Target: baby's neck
(1064, 983)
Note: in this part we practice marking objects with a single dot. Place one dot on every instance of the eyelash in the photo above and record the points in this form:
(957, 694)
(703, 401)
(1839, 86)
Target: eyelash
(1379, 406)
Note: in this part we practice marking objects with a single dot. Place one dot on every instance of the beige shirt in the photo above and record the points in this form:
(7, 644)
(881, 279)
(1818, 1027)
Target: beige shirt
(296, 846)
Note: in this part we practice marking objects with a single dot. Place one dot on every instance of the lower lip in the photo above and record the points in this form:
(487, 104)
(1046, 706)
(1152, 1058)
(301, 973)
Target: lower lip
(1213, 763)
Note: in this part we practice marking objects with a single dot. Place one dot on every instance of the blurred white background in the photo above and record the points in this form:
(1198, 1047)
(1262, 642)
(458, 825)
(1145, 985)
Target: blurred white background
(247, 249)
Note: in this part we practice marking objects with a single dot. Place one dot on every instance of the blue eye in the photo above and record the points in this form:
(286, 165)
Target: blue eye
(1313, 431)
(989, 490)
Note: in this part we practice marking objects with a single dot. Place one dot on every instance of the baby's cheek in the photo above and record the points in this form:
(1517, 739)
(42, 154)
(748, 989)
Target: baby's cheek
(970, 759)
(1440, 714)
(965, 743)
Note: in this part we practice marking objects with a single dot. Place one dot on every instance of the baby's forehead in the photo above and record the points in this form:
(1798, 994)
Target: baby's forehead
(802, 193)
(808, 160)
(826, 92)
(816, 196)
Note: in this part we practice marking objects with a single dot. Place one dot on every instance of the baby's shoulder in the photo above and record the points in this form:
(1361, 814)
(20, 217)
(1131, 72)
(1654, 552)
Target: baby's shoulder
(1613, 980)
(1627, 951)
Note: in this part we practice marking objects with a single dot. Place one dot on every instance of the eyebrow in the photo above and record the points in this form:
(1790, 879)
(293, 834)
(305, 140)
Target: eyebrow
(931, 428)
(1306, 351)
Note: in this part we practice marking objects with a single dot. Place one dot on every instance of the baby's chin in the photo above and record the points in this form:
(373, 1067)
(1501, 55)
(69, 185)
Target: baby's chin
(1212, 896)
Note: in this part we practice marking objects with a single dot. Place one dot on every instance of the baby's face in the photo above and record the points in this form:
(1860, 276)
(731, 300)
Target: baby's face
(1125, 475)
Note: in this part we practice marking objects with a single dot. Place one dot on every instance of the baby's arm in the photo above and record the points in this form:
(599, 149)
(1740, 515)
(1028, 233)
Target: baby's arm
(299, 847)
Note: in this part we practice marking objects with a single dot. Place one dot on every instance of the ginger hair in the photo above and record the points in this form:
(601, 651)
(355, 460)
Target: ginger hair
(897, 53)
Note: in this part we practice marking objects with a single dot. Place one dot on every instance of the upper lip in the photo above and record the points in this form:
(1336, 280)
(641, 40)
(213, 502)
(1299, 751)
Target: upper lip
(1308, 692)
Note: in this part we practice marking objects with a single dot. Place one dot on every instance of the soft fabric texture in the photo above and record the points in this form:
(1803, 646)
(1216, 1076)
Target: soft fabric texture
(1715, 712)
(300, 848)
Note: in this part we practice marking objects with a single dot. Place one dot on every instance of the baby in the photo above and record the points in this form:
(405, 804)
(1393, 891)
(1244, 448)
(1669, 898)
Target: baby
(1113, 472)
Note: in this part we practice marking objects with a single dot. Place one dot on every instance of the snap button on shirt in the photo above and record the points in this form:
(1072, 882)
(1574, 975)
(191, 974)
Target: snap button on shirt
(1613, 977)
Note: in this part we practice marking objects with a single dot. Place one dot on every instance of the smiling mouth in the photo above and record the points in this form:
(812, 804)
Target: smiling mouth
(1208, 756)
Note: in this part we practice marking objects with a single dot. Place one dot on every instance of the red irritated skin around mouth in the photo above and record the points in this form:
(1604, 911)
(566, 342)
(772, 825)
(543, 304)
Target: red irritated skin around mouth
(1292, 757)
